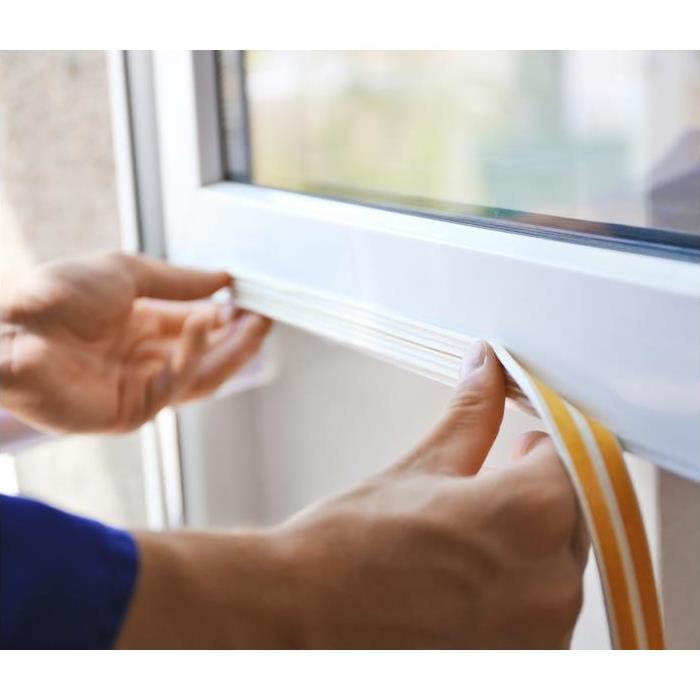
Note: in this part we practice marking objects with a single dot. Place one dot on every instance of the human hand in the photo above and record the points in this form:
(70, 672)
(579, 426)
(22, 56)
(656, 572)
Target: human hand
(101, 344)
(435, 552)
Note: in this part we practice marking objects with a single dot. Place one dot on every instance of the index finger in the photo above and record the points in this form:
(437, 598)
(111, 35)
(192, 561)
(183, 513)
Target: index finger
(159, 280)
(537, 460)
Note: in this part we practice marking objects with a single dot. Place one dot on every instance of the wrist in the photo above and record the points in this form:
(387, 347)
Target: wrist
(261, 603)
(211, 590)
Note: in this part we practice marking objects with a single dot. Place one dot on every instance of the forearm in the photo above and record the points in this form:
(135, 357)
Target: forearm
(199, 590)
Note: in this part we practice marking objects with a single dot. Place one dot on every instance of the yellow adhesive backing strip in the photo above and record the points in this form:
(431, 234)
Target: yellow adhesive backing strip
(594, 462)
(635, 532)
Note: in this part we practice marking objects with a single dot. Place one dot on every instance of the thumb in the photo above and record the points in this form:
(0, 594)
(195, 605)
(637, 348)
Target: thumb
(460, 442)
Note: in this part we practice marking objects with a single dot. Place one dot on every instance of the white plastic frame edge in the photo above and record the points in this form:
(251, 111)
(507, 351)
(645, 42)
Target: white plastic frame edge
(618, 334)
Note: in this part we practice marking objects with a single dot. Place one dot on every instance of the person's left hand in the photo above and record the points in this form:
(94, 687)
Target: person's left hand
(101, 344)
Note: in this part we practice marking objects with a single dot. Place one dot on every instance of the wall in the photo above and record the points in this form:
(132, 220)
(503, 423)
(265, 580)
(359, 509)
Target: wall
(57, 198)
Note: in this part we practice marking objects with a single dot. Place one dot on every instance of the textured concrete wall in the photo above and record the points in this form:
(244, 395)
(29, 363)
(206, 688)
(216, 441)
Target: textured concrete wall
(57, 189)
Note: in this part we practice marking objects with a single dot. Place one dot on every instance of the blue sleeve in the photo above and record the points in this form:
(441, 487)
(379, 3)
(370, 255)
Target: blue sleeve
(65, 581)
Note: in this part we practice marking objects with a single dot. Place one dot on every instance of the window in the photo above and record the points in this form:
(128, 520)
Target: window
(354, 244)
(534, 139)
(596, 322)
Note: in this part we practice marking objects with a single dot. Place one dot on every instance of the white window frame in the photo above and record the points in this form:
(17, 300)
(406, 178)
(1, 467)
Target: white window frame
(617, 333)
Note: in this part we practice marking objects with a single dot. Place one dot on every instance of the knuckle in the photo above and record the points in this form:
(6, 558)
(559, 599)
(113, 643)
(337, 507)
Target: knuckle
(121, 266)
(466, 401)
(534, 502)
(117, 258)
(560, 603)
(542, 514)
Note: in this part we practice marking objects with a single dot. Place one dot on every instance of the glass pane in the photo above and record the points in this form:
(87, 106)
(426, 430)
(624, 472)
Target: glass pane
(57, 198)
(551, 138)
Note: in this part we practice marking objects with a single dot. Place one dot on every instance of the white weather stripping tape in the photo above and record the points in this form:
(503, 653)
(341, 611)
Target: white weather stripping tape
(594, 462)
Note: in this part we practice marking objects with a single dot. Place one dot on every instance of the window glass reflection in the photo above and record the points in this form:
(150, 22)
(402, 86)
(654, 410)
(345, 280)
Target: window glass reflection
(609, 137)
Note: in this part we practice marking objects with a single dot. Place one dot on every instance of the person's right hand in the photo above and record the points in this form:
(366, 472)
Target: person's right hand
(434, 552)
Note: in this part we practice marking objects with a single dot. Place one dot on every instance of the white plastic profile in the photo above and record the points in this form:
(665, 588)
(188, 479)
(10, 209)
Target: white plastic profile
(615, 333)
(15, 435)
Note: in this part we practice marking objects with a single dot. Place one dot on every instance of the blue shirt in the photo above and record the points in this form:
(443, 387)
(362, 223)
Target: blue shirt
(65, 581)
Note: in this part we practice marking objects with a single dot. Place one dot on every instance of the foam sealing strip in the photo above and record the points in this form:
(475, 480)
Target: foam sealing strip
(595, 464)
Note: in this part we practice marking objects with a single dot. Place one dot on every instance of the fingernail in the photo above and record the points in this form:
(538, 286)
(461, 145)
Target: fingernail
(473, 359)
